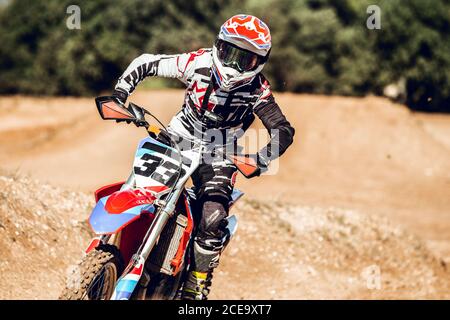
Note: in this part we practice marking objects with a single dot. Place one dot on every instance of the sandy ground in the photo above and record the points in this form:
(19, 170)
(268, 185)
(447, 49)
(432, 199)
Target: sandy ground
(365, 158)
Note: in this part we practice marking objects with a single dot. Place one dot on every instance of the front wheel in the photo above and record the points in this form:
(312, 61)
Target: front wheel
(164, 287)
(96, 275)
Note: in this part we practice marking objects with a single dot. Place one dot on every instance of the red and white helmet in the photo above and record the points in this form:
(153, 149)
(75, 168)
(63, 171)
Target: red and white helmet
(240, 51)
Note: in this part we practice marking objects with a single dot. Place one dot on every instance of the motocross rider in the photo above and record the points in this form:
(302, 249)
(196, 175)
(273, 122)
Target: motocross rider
(224, 89)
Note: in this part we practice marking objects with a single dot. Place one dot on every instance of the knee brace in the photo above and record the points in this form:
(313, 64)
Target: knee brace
(212, 225)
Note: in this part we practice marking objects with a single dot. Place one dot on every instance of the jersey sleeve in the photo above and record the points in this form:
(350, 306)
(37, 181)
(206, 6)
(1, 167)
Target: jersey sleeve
(179, 66)
(280, 130)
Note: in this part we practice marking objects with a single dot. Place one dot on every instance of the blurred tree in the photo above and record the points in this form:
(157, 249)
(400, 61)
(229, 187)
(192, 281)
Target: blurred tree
(319, 46)
(415, 44)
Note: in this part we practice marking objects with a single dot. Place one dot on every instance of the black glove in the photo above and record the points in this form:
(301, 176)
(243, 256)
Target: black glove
(120, 95)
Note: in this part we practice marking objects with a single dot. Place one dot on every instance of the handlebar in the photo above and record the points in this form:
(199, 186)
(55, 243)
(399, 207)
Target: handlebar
(111, 108)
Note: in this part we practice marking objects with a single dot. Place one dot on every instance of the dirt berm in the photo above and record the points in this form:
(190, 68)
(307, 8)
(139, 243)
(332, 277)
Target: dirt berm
(279, 252)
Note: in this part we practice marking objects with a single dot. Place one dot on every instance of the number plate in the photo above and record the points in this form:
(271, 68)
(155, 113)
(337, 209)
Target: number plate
(156, 164)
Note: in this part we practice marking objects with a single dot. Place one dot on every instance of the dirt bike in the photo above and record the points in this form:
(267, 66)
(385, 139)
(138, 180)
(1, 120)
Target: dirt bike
(145, 226)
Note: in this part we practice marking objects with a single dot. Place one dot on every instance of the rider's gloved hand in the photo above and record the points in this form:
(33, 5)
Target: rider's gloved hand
(262, 163)
(120, 95)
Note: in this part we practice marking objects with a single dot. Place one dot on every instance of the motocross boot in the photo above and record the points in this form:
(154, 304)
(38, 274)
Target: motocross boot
(199, 278)
(206, 252)
(197, 286)
(197, 283)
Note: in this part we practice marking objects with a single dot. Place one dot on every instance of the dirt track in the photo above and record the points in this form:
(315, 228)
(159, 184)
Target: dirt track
(368, 155)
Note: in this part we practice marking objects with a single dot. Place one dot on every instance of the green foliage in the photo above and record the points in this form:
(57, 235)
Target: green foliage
(319, 46)
(415, 45)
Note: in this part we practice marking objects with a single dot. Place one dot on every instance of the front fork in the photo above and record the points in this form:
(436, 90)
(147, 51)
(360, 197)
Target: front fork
(132, 275)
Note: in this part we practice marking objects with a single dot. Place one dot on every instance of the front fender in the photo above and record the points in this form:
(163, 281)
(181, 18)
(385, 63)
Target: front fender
(103, 222)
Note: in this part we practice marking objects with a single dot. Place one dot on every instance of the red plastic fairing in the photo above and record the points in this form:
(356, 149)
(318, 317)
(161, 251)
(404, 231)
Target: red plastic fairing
(121, 201)
(157, 189)
(107, 190)
(177, 261)
(94, 244)
(132, 236)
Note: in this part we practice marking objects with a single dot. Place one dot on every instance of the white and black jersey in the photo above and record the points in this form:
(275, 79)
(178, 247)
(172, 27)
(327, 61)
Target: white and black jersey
(206, 106)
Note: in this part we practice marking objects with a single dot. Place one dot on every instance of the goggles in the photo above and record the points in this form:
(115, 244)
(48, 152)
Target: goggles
(237, 58)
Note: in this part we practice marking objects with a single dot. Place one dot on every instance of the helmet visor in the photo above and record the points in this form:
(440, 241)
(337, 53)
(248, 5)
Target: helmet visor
(235, 57)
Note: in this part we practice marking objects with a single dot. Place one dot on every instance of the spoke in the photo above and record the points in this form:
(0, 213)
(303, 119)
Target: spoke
(94, 285)
(101, 286)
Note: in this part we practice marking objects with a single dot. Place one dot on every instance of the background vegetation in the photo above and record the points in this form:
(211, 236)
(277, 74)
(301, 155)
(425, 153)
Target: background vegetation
(319, 46)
